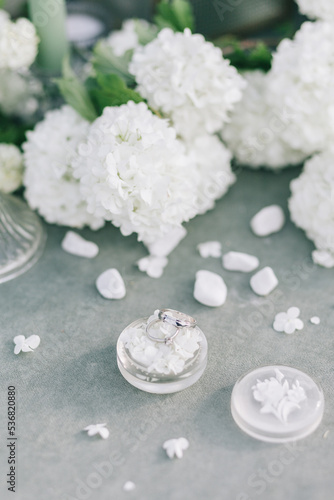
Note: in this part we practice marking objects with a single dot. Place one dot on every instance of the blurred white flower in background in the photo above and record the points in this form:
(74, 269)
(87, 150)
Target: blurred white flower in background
(11, 168)
(312, 202)
(187, 79)
(18, 42)
(134, 32)
(19, 93)
(50, 185)
(317, 9)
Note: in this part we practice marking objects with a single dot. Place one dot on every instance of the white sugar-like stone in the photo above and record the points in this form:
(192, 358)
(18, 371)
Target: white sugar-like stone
(238, 261)
(165, 245)
(210, 289)
(129, 486)
(323, 258)
(269, 220)
(264, 281)
(210, 249)
(75, 244)
(315, 320)
(110, 284)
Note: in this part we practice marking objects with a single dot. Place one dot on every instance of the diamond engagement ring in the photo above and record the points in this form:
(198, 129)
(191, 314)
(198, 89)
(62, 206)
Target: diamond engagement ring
(171, 317)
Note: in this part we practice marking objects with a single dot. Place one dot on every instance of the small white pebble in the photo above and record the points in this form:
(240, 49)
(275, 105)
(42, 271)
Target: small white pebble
(152, 265)
(176, 447)
(210, 249)
(129, 486)
(315, 320)
(76, 245)
(323, 258)
(326, 434)
(264, 281)
(238, 261)
(210, 289)
(269, 220)
(165, 245)
(110, 284)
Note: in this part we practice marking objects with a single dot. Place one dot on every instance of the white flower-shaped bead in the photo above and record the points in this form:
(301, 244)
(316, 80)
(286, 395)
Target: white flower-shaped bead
(288, 322)
(176, 447)
(26, 344)
(94, 429)
(152, 265)
(210, 249)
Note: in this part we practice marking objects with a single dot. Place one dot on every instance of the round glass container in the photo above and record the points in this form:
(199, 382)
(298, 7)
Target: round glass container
(277, 404)
(157, 367)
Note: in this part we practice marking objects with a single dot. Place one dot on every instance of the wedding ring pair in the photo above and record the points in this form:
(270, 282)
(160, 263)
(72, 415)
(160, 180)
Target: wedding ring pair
(175, 318)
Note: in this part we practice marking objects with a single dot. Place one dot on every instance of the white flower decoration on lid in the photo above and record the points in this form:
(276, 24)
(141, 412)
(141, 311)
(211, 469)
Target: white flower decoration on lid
(176, 447)
(26, 344)
(187, 79)
(288, 322)
(95, 429)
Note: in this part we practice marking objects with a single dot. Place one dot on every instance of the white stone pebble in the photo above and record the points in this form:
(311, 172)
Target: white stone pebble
(238, 261)
(323, 258)
(210, 249)
(110, 284)
(210, 289)
(264, 281)
(315, 320)
(76, 245)
(129, 486)
(269, 220)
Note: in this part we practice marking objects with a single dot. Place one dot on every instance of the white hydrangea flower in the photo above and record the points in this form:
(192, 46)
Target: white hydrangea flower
(300, 81)
(134, 172)
(11, 168)
(317, 9)
(312, 202)
(211, 170)
(187, 79)
(18, 42)
(254, 134)
(130, 35)
(50, 185)
(19, 92)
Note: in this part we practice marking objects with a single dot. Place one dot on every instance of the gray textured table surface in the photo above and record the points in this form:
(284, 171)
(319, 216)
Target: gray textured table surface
(72, 379)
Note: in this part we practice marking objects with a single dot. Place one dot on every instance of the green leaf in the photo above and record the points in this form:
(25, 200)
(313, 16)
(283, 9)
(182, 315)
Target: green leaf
(12, 130)
(175, 14)
(145, 33)
(105, 61)
(111, 90)
(75, 93)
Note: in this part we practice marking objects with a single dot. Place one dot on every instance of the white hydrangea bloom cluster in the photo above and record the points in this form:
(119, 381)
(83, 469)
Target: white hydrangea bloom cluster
(11, 168)
(158, 357)
(130, 35)
(317, 9)
(50, 185)
(18, 43)
(134, 172)
(187, 79)
(255, 132)
(288, 114)
(312, 202)
(19, 93)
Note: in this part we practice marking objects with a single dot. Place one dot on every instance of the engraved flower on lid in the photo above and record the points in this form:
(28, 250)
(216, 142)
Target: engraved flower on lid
(276, 396)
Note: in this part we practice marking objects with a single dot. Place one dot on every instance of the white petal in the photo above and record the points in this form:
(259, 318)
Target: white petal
(33, 341)
(315, 320)
(104, 433)
(281, 317)
(19, 339)
(278, 326)
(129, 486)
(293, 312)
(289, 327)
(17, 349)
(26, 348)
(299, 324)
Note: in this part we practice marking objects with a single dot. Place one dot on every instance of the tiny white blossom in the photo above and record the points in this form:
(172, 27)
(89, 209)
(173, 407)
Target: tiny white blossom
(288, 322)
(176, 447)
(11, 168)
(129, 36)
(26, 344)
(210, 249)
(100, 429)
